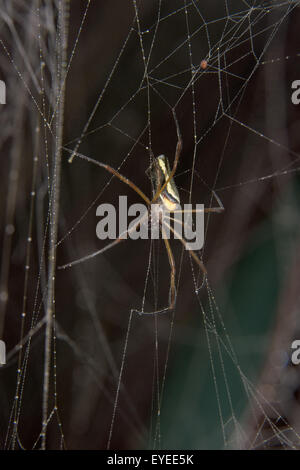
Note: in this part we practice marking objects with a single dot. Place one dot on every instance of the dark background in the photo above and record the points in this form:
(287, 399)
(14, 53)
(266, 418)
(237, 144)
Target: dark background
(251, 250)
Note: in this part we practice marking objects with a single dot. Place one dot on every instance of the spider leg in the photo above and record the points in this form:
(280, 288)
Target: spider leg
(190, 211)
(114, 172)
(107, 247)
(172, 274)
(218, 209)
(91, 255)
(172, 292)
(199, 262)
(182, 240)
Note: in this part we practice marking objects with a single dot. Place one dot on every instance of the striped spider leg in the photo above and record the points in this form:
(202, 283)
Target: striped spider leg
(166, 200)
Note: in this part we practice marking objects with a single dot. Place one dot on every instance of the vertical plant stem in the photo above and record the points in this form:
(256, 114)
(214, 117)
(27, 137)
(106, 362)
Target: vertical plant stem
(54, 207)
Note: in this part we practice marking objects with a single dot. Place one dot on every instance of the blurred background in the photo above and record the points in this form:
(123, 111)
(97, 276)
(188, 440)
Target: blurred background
(102, 78)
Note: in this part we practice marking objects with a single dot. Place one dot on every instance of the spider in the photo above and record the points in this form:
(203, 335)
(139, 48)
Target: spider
(166, 197)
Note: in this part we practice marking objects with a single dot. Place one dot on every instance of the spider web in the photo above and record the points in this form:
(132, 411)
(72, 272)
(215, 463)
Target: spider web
(84, 371)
